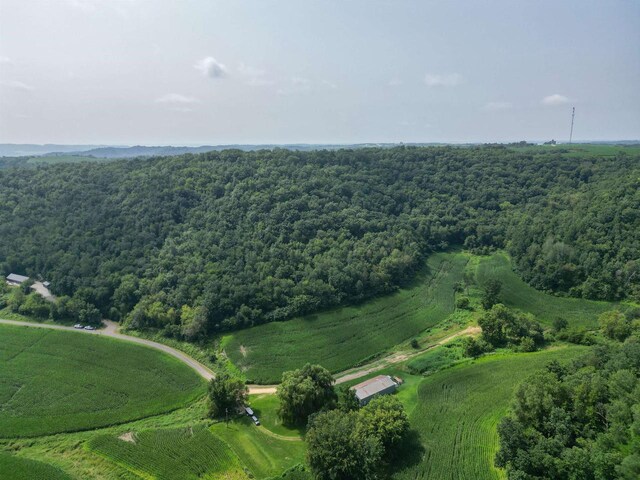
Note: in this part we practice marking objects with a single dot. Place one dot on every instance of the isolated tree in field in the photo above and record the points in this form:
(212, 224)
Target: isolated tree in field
(502, 326)
(385, 419)
(226, 394)
(335, 452)
(305, 391)
(491, 294)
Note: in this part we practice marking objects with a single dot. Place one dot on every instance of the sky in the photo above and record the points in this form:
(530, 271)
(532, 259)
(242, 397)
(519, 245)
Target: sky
(195, 72)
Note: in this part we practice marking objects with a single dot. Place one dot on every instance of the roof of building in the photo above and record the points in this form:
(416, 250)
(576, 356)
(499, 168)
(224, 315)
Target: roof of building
(373, 386)
(14, 277)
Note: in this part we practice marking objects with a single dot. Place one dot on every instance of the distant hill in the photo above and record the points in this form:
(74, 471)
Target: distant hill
(165, 151)
(29, 149)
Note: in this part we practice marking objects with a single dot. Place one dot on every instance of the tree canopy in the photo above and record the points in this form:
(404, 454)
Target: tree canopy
(577, 421)
(197, 244)
(305, 391)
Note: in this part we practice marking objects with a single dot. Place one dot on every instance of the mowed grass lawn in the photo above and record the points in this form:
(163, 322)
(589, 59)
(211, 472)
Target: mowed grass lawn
(343, 337)
(517, 294)
(458, 409)
(16, 468)
(170, 454)
(263, 454)
(53, 381)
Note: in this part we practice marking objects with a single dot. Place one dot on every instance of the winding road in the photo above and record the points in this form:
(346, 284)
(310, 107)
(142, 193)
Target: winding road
(111, 330)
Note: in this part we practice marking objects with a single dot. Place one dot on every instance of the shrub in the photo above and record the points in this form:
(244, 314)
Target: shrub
(463, 302)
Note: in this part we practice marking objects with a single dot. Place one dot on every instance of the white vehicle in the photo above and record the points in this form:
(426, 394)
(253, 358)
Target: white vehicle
(89, 327)
(255, 419)
(78, 325)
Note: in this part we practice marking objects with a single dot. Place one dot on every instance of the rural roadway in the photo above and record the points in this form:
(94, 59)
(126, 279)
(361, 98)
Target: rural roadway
(111, 330)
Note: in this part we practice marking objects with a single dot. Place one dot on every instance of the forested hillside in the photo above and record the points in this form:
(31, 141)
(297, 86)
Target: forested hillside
(199, 243)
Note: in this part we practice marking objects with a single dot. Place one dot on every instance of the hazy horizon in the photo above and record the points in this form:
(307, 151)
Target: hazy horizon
(137, 72)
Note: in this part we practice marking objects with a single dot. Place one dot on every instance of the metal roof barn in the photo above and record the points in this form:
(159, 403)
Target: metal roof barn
(17, 279)
(380, 385)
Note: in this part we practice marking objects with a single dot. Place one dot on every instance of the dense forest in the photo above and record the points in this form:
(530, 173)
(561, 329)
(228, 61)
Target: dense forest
(200, 243)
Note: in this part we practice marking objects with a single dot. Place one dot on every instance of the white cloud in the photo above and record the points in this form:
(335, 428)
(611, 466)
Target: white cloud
(4, 59)
(16, 85)
(395, 82)
(254, 77)
(329, 84)
(498, 106)
(554, 100)
(176, 98)
(443, 80)
(211, 68)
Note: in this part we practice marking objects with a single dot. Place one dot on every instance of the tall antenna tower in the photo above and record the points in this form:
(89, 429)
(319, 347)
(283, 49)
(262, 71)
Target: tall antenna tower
(573, 115)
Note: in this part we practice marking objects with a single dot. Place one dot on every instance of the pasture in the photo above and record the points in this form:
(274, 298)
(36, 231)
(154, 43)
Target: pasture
(458, 409)
(545, 307)
(186, 453)
(53, 381)
(344, 337)
(17, 468)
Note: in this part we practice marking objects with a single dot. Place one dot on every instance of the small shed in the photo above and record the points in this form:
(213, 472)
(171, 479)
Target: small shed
(380, 385)
(15, 279)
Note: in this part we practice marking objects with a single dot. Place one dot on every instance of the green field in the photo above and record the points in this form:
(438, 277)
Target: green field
(545, 307)
(458, 410)
(343, 337)
(53, 381)
(16, 468)
(168, 454)
(263, 454)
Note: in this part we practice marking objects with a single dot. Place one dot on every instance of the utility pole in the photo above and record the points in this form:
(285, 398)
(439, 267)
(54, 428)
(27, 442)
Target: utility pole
(573, 114)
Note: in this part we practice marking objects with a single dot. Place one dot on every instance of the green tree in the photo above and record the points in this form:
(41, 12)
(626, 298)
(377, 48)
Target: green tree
(15, 299)
(335, 452)
(226, 395)
(303, 392)
(36, 306)
(347, 400)
(385, 419)
(491, 294)
(193, 322)
(615, 325)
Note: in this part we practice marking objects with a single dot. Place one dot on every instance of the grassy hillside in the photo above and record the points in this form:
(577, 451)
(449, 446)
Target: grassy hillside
(517, 294)
(16, 468)
(340, 338)
(167, 454)
(458, 410)
(53, 381)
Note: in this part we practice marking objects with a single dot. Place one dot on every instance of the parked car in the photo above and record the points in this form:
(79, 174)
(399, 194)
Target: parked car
(249, 411)
(78, 325)
(89, 327)
(255, 419)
